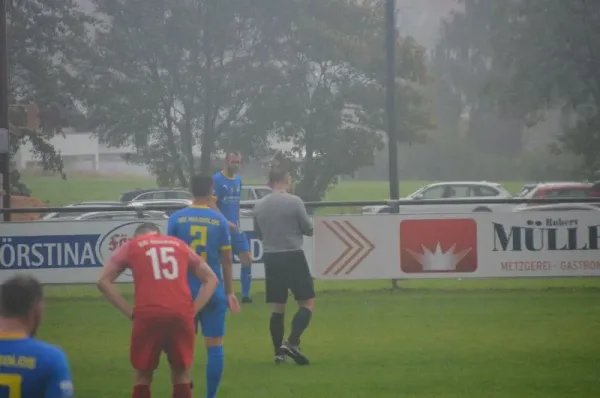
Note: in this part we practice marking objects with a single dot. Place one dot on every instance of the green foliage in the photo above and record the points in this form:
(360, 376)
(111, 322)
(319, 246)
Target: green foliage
(331, 105)
(48, 50)
(172, 76)
(464, 62)
(551, 51)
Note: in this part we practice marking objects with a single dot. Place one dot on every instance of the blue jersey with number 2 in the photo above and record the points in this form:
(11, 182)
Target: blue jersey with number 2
(30, 368)
(206, 232)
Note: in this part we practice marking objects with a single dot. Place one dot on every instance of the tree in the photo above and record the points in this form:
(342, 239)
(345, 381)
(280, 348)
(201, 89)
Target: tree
(175, 75)
(463, 63)
(550, 50)
(331, 102)
(48, 48)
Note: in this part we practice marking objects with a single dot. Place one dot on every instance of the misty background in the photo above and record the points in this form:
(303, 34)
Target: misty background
(485, 89)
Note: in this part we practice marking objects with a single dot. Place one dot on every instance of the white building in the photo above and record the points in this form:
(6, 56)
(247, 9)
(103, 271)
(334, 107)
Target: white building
(83, 152)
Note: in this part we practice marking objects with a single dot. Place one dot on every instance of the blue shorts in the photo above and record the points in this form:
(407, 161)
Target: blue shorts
(239, 242)
(212, 318)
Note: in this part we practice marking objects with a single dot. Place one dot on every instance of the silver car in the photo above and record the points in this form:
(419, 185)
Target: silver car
(115, 215)
(475, 190)
(71, 215)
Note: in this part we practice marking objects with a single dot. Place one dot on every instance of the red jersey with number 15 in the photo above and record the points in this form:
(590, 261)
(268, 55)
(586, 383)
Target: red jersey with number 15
(159, 266)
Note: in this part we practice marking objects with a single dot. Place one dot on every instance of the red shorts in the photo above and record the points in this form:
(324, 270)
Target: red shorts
(154, 333)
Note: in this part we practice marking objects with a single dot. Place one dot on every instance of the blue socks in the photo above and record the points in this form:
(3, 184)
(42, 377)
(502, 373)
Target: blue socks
(214, 370)
(246, 279)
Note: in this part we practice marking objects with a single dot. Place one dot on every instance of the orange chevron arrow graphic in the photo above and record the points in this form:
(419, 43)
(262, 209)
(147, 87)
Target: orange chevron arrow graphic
(358, 247)
(344, 253)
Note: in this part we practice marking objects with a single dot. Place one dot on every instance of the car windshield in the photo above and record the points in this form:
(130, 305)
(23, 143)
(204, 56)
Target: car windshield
(262, 192)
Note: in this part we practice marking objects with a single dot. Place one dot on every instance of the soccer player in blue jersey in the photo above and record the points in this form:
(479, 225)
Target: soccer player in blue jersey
(206, 231)
(29, 368)
(226, 190)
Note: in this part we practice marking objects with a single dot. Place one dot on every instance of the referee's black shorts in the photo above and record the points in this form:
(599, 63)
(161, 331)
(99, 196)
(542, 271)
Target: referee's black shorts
(285, 271)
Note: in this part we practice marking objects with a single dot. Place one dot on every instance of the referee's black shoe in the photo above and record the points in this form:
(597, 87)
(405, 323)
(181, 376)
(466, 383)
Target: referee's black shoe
(246, 300)
(293, 351)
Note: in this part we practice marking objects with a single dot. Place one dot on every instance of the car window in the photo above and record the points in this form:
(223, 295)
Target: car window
(178, 195)
(456, 191)
(262, 192)
(247, 194)
(436, 192)
(481, 191)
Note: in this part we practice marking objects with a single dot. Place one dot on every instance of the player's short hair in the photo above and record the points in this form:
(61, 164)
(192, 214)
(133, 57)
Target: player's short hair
(277, 175)
(201, 185)
(19, 295)
(146, 228)
(235, 153)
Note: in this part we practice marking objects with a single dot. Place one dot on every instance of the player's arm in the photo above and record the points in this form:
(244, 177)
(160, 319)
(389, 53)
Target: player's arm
(257, 230)
(209, 279)
(106, 283)
(306, 225)
(60, 384)
(225, 250)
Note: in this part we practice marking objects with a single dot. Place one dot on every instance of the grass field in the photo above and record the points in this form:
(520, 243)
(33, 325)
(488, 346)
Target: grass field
(60, 192)
(503, 338)
(444, 339)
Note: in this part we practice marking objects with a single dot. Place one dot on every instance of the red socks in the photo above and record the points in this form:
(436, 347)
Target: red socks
(179, 391)
(141, 391)
(182, 391)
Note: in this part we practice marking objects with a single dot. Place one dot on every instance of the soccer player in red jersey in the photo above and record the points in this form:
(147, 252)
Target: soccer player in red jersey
(164, 312)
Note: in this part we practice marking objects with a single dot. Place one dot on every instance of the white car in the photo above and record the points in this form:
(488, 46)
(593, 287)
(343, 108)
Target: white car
(161, 202)
(250, 195)
(461, 190)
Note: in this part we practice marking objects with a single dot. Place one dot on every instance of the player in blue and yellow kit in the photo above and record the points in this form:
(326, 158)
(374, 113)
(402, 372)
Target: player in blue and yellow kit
(29, 368)
(206, 231)
(227, 189)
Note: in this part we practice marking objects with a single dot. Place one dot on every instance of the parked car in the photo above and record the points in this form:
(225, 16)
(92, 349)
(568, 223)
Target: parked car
(558, 190)
(156, 194)
(559, 207)
(164, 202)
(475, 190)
(250, 195)
(116, 215)
(70, 215)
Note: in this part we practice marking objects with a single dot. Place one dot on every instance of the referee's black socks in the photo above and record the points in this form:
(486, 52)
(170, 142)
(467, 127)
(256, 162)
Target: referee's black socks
(277, 327)
(299, 324)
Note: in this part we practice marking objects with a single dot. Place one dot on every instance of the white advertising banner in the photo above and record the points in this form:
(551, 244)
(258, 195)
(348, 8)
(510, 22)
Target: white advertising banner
(73, 251)
(480, 245)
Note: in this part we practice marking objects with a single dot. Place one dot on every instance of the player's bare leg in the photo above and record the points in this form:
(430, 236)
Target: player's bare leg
(214, 365)
(181, 383)
(141, 383)
(299, 324)
(246, 275)
(277, 328)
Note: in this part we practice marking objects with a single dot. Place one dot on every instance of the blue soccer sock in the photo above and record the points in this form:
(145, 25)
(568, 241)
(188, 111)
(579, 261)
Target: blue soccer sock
(246, 279)
(215, 360)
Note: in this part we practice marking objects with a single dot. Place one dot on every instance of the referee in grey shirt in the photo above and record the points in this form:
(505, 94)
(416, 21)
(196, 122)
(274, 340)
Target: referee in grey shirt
(281, 221)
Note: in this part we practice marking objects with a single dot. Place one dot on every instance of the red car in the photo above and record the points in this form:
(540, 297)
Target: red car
(561, 190)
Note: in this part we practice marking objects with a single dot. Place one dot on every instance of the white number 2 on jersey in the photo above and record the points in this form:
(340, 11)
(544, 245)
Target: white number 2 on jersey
(164, 263)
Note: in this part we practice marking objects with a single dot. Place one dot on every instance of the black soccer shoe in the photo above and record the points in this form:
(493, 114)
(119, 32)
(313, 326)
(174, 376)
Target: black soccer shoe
(246, 300)
(293, 351)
